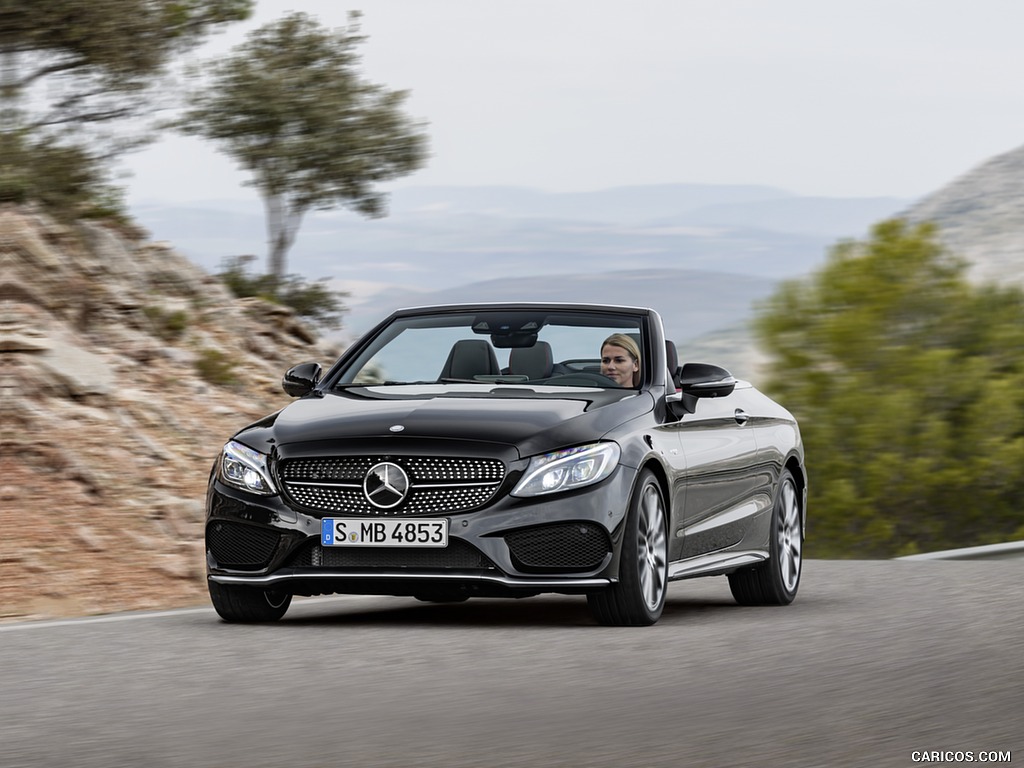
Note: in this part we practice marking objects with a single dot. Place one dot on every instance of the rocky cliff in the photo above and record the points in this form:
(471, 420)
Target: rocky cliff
(123, 369)
(981, 217)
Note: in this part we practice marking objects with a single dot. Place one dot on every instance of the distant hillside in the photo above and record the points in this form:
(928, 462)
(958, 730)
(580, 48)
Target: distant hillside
(435, 238)
(981, 217)
(700, 254)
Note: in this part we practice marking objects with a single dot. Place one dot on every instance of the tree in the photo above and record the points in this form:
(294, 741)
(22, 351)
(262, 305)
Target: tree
(290, 107)
(908, 382)
(102, 52)
(68, 67)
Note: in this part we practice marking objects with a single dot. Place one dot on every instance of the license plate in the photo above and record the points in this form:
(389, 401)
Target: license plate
(360, 532)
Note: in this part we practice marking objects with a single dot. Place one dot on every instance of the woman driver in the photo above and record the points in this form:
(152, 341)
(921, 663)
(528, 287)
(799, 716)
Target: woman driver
(620, 360)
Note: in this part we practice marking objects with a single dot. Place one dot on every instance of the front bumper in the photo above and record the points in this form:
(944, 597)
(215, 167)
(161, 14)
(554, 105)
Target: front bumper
(566, 543)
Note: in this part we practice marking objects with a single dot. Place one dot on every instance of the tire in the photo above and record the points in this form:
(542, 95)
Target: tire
(775, 581)
(247, 604)
(638, 598)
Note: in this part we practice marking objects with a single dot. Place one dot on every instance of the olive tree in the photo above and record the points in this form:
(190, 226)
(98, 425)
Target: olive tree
(70, 67)
(96, 55)
(290, 106)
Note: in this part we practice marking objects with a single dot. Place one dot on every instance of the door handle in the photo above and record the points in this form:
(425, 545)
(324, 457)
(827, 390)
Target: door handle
(741, 416)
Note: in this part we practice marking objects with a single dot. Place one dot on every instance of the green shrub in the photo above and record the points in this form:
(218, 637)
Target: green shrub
(312, 301)
(214, 367)
(168, 325)
(68, 180)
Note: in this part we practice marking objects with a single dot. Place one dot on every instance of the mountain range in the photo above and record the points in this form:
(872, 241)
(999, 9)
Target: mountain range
(703, 255)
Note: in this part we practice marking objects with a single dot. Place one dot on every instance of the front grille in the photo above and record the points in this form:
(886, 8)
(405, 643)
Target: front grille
(458, 554)
(559, 546)
(436, 485)
(235, 545)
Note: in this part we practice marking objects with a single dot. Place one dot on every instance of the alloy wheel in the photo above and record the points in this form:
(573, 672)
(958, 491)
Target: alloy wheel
(790, 540)
(651, 554)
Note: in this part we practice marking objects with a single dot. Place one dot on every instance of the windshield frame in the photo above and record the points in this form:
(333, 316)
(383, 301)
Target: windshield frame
(524, 318)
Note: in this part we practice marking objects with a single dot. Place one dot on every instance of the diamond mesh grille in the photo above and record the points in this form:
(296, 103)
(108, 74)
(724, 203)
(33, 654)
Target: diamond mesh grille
(428, 469)
(351, 468)
(561, 546)
(437, 485)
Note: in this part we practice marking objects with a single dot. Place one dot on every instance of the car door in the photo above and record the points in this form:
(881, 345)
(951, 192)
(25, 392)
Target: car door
(722, 478)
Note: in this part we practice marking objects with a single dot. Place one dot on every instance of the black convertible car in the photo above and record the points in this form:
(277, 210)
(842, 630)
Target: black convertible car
(508, 450)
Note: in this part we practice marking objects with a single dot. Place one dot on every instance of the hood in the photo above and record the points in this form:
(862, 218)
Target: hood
(529, 424)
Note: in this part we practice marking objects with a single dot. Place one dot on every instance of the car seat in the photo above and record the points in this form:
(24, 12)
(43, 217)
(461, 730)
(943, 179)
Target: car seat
(533, 362)
(469, 358)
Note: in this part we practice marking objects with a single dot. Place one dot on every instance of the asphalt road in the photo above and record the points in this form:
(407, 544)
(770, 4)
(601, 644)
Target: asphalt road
(874, 661)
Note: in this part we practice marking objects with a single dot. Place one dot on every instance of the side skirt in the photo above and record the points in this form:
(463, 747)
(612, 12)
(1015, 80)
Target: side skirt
(715, 563)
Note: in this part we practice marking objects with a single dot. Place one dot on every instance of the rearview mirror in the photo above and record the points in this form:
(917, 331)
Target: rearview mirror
(518, 340)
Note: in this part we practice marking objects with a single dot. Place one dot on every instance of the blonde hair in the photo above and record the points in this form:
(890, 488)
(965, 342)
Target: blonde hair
(629, 344)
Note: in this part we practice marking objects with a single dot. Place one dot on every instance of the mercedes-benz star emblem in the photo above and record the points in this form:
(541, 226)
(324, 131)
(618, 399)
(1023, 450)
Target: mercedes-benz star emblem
(386, 485)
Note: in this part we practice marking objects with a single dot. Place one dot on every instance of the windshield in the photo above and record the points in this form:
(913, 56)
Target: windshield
(515, 347)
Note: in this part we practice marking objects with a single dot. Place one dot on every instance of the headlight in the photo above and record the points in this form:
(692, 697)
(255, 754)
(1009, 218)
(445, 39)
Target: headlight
(242, 467)
(568, 469)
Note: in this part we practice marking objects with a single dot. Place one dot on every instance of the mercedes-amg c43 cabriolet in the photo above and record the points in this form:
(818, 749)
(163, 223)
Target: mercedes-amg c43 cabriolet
(509, 450)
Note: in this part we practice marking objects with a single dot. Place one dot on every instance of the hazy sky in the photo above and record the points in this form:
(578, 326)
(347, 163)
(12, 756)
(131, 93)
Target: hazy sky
(819, 97)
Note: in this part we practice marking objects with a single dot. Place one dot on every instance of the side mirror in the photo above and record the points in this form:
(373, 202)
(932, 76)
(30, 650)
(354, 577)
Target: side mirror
(705, 380)
(301, 380)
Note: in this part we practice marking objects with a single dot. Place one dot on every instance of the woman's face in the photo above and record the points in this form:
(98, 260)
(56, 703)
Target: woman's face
(618, 365)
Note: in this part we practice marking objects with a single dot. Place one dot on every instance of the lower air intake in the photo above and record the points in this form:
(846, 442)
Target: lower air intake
(235, 545)
(559, 547)
(457, 555)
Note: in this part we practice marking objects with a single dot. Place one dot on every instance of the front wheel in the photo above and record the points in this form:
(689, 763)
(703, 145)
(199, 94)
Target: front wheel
(775, 581)
(248, 604)
(638, 598)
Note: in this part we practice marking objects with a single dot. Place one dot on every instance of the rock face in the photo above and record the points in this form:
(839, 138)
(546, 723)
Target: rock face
(123, 369)
(981, 218)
